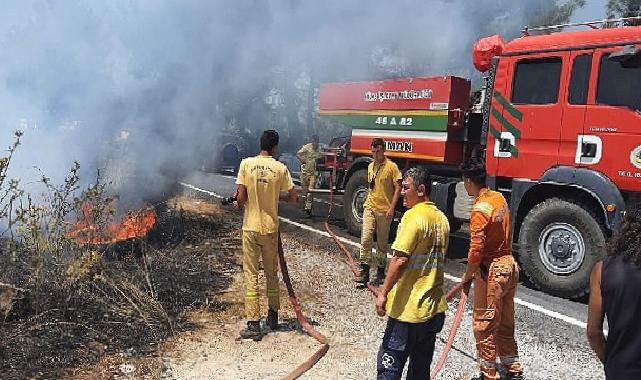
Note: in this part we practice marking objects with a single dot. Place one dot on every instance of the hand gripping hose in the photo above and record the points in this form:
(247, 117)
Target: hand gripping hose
(461, 287)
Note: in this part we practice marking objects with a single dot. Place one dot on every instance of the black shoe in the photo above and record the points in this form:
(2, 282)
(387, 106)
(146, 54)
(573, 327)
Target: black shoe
(272, 319)
(308, 211)
(380, 276)
(480, 376)
(252, 331)
(363, 279)
(514, 376)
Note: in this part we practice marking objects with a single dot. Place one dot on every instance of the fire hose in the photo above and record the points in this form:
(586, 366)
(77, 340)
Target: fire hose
(322, 339)
(309, 329)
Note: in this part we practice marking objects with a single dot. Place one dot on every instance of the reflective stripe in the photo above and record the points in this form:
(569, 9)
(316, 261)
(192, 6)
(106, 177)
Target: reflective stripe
(487, 364)
(428, 256)
(427, 261)
(273, 292)
(426, 266)
(484, 207)
(507, 360)
(251, 295)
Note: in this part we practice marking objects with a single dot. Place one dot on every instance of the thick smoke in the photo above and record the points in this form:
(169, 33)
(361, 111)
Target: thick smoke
(143, 87)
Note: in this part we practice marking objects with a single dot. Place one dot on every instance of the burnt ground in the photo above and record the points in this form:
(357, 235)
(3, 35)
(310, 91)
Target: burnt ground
(125, 304)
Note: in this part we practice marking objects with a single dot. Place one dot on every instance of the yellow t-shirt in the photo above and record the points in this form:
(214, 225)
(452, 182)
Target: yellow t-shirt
(423, 235)
(311, 155)
(380, 198)
(264, 178)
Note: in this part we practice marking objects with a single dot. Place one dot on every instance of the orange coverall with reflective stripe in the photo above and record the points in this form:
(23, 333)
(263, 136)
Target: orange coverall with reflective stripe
(495, 286)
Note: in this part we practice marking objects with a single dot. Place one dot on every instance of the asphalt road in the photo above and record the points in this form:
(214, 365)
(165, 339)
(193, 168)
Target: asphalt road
(553, 328)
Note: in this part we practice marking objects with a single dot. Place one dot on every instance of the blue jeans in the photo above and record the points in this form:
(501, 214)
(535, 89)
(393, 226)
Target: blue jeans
(403, 340)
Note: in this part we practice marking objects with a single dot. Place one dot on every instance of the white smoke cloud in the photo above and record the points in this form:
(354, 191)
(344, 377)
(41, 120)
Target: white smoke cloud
(153, 81)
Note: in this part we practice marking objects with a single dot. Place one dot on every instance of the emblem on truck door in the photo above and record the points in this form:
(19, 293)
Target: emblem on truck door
(635, 157)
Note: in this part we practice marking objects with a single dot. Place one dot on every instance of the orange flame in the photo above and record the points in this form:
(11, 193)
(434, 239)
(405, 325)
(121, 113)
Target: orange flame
(134, 224)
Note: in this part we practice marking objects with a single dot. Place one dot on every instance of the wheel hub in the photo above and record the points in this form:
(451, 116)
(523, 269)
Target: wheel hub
(561, 248)
(358, 203)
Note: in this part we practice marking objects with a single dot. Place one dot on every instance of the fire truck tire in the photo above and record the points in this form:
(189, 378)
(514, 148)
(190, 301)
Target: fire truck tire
(559, 242)
(353, 200)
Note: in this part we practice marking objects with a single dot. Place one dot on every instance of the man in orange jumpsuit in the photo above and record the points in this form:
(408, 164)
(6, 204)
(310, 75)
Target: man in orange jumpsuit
(495, 274)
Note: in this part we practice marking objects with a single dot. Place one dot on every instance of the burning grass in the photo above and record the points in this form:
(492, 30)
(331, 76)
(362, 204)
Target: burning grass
(109, 306)
(77, 291)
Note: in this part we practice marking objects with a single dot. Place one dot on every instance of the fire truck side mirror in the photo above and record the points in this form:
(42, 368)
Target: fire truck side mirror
(629, 56)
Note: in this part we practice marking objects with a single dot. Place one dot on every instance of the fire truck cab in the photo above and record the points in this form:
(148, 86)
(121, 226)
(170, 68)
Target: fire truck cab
(563, 143)
(559, 126)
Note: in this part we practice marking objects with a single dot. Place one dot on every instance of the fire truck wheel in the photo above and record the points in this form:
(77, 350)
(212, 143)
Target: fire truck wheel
(559, 243)
(353, 201)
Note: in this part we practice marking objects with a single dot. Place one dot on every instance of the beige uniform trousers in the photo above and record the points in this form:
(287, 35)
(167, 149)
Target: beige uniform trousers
(257, 246)
(374, 221)
(307, 183)
(494, 317)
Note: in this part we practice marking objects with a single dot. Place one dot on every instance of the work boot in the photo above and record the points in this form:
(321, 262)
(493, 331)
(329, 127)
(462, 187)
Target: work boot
(252, 331)
(380, 276)
(363, 279)
(514, 376)
(309, 212)
(272, 319)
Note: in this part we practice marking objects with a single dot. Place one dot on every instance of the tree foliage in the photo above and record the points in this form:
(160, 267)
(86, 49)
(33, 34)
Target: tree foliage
(623, 8)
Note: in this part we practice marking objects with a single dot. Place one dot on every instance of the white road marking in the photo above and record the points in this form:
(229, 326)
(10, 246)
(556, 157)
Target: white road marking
(518, 301)
(323, 201)
(302, 196)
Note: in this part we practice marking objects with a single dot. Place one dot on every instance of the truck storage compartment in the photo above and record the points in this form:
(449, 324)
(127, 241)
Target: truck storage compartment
(419, 118)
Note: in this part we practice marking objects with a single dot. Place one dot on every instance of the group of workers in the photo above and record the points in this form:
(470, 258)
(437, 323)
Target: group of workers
(411, 285)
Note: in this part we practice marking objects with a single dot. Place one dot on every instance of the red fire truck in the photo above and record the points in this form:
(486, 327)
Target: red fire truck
(558, 123)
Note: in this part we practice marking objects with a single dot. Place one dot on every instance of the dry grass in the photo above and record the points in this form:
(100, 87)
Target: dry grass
(66, 306)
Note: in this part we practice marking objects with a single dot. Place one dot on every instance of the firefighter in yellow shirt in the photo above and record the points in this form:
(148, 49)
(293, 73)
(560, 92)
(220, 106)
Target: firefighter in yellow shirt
(384, 190)
(412, 293)
(308, 154)
(261, 182)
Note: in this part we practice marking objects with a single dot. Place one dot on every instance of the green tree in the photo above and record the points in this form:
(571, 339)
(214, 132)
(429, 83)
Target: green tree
(555, 14)
(623, 8)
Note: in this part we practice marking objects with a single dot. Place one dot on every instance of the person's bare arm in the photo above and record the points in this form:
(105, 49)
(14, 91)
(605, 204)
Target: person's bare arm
(290, 196)
(300, 156)
(596, 314)
(241, 196)
(397, 195)
(394, 272)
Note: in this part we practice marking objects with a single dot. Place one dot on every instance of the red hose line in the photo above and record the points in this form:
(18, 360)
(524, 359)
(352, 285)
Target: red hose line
(307, 327)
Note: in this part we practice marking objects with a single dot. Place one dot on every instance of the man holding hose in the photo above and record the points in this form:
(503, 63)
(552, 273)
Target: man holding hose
(412, 294)
(261, 182)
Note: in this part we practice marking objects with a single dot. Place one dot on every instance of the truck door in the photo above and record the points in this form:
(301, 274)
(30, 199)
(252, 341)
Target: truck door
(576, 146)
(613, 119)
(530, 113)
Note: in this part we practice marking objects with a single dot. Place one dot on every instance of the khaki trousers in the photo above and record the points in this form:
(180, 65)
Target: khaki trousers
(374, 221)
(257, 246)
(494, 317)
(307, 183)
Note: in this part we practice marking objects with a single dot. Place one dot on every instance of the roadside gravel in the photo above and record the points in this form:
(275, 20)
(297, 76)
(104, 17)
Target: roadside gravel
(346, 315)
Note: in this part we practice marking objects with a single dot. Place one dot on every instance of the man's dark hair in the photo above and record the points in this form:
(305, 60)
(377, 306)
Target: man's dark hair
(314, 138)
(421, 177)
(627, 241)
(474, 169)
(378, 142)
(268, 140)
